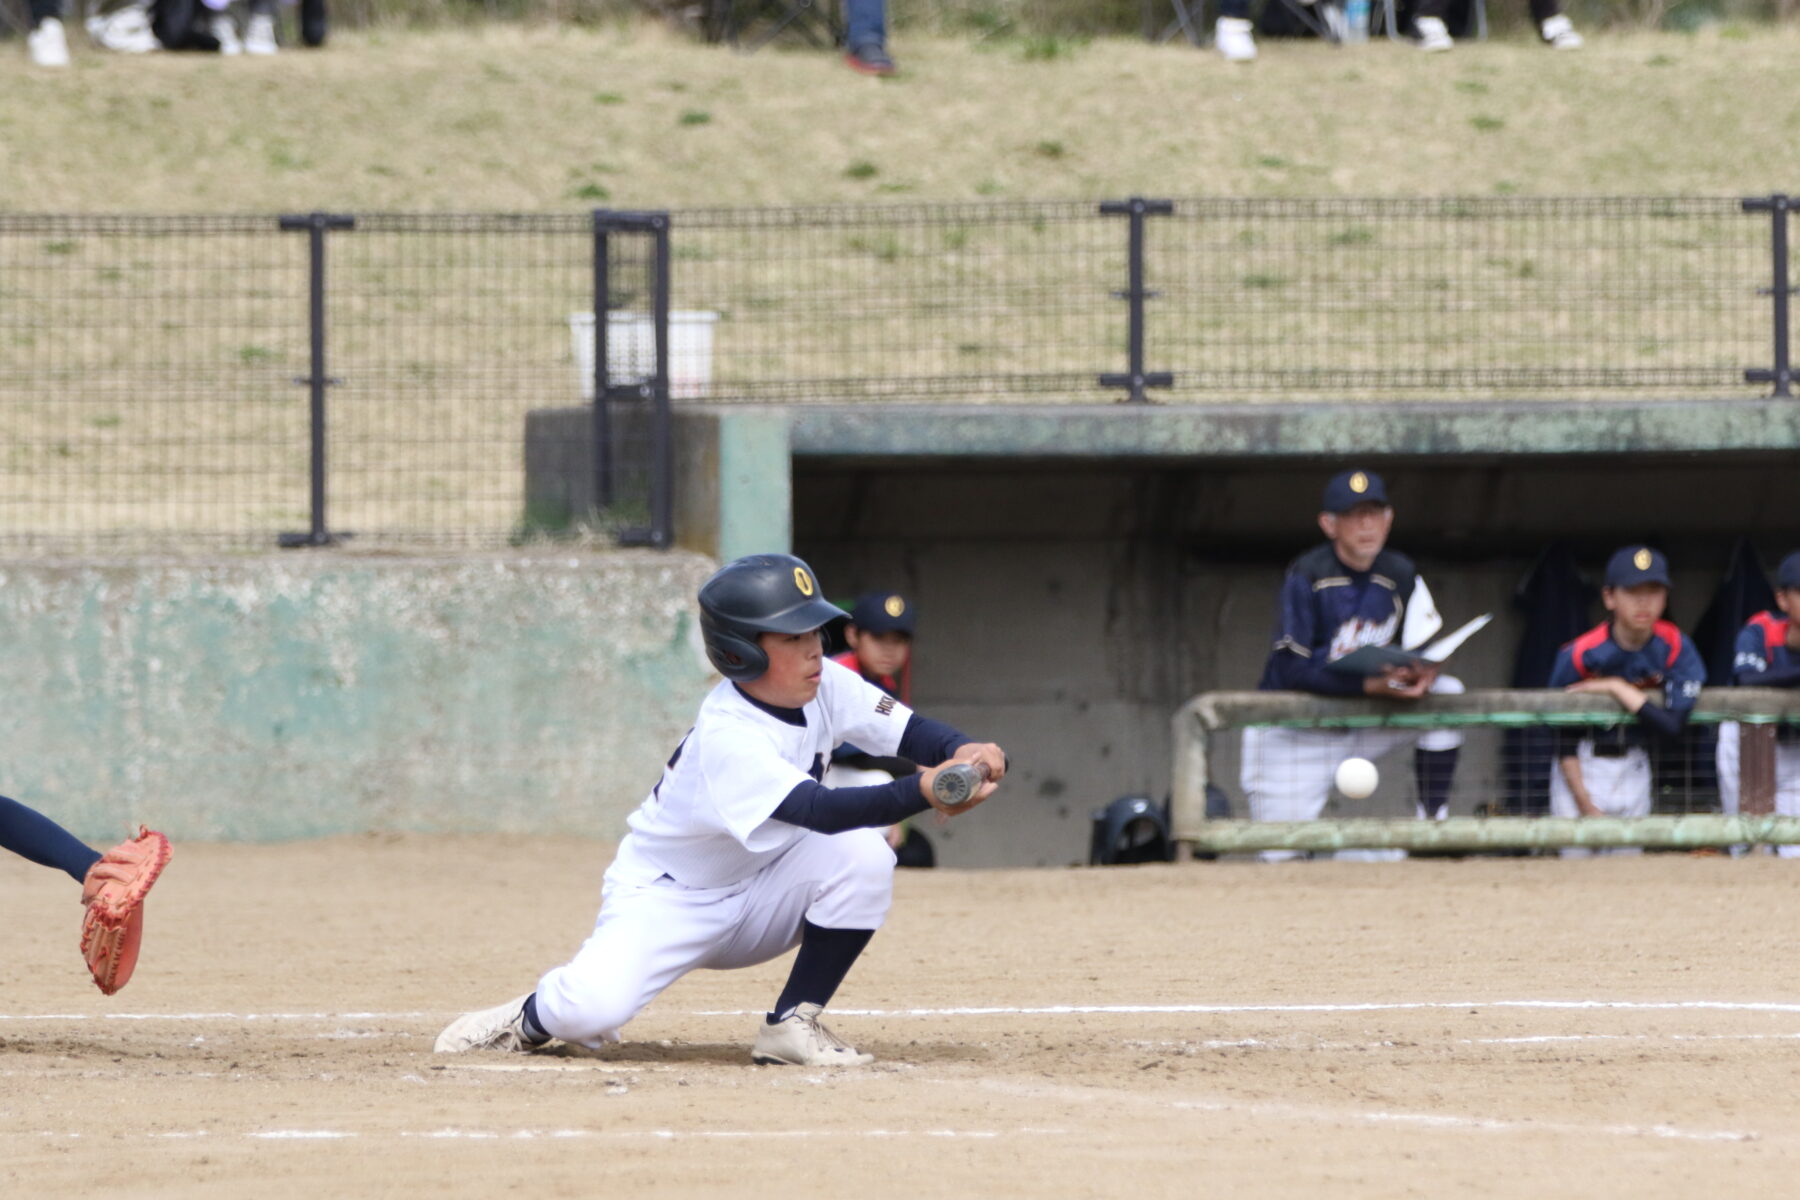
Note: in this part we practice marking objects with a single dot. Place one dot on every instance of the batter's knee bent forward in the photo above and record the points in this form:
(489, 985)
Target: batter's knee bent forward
(858, 886)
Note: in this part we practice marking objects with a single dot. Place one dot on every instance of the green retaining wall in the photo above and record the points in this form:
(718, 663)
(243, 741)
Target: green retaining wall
(318, 693)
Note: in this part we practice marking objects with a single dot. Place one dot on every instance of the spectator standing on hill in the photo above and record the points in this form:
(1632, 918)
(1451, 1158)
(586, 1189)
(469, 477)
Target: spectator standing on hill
(1556, 30)
(1644, 663)
(48, 42)
(865, 37)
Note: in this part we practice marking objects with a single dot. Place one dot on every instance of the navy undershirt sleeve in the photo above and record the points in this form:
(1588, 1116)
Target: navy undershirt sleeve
(1662, 721)
(1297, 674)
(30, 833)
(930, 742)
(833, 810)
(1786, 677)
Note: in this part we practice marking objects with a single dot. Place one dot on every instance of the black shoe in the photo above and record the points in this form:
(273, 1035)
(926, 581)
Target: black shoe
(312, 22)
(871, 59)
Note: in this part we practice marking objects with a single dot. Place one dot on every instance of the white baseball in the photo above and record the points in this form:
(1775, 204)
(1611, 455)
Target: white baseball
(1356, 778)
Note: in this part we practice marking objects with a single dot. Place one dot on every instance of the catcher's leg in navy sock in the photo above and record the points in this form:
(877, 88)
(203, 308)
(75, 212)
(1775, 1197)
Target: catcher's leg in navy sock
(1434, 771)
(32, 835)
(826, 956)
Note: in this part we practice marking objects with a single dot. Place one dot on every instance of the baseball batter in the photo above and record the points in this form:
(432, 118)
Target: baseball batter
(1768, 655)
(1644, 663)
(739, 852)
(1350, 592)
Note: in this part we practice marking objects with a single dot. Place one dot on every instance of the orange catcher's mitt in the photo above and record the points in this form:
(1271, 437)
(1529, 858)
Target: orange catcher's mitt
(114, 893)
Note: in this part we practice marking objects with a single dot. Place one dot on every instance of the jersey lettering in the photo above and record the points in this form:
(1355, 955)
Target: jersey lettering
(1353, 635)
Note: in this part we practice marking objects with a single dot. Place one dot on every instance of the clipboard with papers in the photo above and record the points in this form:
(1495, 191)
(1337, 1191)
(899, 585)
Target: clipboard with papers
(1373, 660)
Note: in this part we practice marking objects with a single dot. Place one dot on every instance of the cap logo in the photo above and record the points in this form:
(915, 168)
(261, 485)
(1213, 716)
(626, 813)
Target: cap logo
(1359, 483)
(1641, 560)
(803, 581)
(894, 606)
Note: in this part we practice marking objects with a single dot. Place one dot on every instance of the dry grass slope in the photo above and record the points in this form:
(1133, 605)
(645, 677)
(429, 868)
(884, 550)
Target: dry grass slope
(544, 119)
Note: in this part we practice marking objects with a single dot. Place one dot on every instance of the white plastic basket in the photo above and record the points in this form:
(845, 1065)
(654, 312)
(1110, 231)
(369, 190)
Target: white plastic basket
(631, 351)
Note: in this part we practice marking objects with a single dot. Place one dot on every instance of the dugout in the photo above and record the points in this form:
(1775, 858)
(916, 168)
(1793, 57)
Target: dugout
(1080, 573)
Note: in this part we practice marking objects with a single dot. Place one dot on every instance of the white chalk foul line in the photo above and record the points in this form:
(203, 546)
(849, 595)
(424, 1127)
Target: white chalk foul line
(1066, 1010)
(1457, 1123)
(1046, 1010)
(617, 1135)
(1435, 1122)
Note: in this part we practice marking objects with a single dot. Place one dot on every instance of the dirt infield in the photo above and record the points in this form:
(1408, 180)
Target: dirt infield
(1483, 1028)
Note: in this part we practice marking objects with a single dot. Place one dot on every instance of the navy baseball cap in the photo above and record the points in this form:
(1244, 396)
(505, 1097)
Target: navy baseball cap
(883, 612)
(1348, 489)
(1787, 575)
(1637, 564)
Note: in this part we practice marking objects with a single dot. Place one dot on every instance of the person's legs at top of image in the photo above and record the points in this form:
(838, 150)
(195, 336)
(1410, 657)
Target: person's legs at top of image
(47, 42)
(1556, 29)
(259, 29)
(865, 37)
(1232, 36)
(1428, 20)
(222, 27)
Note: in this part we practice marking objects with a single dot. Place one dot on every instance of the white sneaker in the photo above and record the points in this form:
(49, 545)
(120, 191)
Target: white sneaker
(259, 35)
(1433, 36)
(499, 1028)
(1560, 33)
(1232, 39)
(124, 30)
(48, 44)
(1337, 25)
(221, 27)
(801, 1041)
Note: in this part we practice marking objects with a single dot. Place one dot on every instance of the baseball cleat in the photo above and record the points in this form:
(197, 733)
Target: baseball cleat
(498, 1028)
(801, 1041)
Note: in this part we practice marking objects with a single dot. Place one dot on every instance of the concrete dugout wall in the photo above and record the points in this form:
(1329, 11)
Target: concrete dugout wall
(319, 693)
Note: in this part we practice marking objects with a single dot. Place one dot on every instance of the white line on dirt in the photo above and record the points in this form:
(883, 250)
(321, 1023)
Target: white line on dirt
(652, 1135)
(1048, 1010)
(1438, 1122)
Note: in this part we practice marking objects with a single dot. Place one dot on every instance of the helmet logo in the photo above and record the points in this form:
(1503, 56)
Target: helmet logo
(1641, 560)
(894, 606)
(803, 581)
(1359, 483)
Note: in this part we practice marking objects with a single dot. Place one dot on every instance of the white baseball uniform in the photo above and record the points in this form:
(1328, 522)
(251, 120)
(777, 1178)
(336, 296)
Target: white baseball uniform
(707, 879)
(1286, 773)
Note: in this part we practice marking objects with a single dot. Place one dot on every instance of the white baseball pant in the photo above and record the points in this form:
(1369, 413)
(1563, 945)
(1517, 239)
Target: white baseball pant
(1618, 787)
(1286, 773)
(648, 935)
(1787, 778)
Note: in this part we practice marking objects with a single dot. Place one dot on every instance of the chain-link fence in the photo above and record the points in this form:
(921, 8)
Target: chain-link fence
(432, 380)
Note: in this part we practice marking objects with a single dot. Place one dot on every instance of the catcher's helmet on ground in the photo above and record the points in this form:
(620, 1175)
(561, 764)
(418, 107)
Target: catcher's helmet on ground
(761, 593)
(1131, 829)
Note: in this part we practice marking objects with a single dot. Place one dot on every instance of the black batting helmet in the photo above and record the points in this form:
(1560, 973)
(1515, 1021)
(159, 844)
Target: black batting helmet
(762, 593)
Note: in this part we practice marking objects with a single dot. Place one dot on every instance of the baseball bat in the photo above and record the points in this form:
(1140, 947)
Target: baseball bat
(956, 783)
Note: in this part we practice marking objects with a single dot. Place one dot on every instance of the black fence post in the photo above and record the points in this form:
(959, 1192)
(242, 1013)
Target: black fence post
(662, 483)
(655, 388)
(602, 430)
(1781, 374)
(316, 225)
(1136, 380)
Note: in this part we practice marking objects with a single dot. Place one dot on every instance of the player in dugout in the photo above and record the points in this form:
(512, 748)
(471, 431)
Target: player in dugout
(740, 853)
(1768, 655)
(1644, 663)
(880, 636)
(1351, 591)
